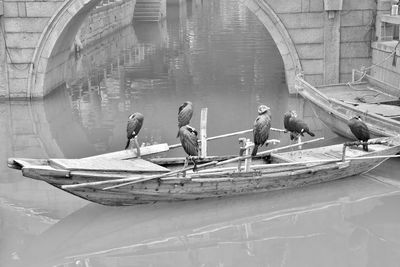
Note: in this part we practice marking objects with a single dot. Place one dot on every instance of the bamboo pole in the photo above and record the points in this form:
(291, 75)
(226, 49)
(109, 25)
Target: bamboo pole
(344, 152)
(212, 163)
(203, 132)
(242, 148)
(227, 135)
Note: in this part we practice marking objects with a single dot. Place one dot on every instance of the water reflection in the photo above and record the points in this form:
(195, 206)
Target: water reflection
(274, 229)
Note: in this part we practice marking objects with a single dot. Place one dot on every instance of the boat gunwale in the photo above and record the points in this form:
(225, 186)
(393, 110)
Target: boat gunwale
(254, 173)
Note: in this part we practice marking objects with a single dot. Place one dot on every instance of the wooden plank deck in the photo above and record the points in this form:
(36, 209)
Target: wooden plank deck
(321, 154)
(131, 153)
(361, 93)
(365, 97)
(108, 165)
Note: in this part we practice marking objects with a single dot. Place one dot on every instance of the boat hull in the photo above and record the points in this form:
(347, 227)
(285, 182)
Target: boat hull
(337, 123)
(193, 189)
(335, 113)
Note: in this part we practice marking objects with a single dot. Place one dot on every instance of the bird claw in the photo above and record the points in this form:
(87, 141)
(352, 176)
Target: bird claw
(191, 158)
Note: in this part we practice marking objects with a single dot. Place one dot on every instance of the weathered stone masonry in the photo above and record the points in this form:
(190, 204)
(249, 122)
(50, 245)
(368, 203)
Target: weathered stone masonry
(324, 44)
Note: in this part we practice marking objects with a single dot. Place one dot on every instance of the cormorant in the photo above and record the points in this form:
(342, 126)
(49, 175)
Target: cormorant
(185, 113)
(360, 130)
(295, 125)
(189, 141)
(135, 122)
(261, 128)
(287, 125)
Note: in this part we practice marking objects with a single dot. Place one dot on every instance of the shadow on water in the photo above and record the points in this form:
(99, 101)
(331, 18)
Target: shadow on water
(347, 225)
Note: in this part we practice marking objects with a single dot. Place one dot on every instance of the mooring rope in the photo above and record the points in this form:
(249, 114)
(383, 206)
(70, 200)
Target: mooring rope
(364, 70)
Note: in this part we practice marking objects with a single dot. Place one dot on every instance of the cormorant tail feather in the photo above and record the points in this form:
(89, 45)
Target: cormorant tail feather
(127, 144)
(310, 133)
(255, 149)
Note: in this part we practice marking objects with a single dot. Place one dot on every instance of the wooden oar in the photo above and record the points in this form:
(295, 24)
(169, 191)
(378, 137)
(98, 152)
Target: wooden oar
(135, 180)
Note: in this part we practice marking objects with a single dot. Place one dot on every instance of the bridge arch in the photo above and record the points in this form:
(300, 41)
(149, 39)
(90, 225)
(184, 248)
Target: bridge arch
(62, 27)
(280, 35)
(58, 35)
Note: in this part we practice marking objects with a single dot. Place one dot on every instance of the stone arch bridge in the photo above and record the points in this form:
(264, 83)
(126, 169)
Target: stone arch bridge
(324, 39)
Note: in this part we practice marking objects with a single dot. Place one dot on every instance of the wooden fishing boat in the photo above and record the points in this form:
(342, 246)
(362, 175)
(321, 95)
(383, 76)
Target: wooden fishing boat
(376, 102)
(120, 178)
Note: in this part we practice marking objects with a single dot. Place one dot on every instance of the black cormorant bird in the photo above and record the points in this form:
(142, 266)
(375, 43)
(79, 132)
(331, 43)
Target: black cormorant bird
(295, 126)
(135, 122)
(360, 130)
(261, 128)
(287, 125)
(189, 141)
(185, 113)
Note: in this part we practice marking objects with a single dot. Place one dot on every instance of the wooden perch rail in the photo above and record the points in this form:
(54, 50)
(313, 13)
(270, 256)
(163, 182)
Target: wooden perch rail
(359, 143)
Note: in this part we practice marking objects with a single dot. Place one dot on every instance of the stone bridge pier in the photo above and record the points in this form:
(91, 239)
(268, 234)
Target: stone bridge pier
(324, 39)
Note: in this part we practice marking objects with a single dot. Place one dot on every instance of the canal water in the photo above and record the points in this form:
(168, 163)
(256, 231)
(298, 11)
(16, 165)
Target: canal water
(216, 54)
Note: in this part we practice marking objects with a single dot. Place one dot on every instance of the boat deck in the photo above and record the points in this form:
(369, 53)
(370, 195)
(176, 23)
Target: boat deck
(358, 93)
(366, 98)
(327, 153)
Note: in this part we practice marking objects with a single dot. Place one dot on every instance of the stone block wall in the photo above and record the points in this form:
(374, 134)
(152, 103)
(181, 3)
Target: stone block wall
(384, 68)
(305, 20)
(23, 23)
(357, 32)
(104, 20)
(3, 64)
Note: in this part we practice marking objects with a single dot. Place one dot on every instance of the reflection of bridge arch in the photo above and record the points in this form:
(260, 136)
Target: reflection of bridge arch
(280, 35)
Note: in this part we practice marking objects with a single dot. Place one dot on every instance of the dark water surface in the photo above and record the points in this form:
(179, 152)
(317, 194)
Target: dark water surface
(217, 55)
